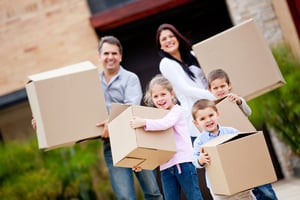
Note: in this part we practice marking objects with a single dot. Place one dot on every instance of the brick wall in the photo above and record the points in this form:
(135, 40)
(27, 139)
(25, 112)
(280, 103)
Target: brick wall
(263, 14)
(38, 35)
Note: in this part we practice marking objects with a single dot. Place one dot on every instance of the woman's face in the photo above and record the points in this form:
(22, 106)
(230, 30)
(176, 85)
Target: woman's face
(168, 42)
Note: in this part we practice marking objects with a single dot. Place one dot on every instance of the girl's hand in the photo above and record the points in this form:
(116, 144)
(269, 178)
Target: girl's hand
(204, 158)
(137, 122)
(234, 98)
(137, 168)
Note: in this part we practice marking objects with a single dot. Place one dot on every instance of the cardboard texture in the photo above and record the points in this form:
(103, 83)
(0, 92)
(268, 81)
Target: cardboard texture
(136, 147)
(242, 52)
(66, 104)
(231, 115)
(239, 162)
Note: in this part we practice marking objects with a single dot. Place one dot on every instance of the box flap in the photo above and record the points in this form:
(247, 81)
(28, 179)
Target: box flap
(116, 109)
(226, 138)
(232, 116)
(75, 68)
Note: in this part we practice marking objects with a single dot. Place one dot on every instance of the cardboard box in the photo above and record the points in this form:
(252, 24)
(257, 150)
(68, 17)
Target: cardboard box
(136, 147)
(242, 52)
(66, 104)
(239, 162)
(231, 115)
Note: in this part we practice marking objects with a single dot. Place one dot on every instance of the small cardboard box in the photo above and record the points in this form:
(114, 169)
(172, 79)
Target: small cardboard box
(136, 147)
(231, 115)
(66, 104)
(239, 162)
(242, 52)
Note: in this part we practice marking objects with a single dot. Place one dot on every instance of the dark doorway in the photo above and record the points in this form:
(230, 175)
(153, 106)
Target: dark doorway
(198, 20)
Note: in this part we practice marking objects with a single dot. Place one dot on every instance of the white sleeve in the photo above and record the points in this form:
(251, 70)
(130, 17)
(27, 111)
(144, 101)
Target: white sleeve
(177, 76)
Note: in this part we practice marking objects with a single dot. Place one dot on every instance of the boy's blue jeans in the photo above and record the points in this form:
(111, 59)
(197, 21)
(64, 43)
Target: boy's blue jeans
(123, 183)
(264, 192)
(183, 176)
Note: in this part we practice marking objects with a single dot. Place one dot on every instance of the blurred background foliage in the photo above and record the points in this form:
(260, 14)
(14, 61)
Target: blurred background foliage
(76, 172)
(280, 109)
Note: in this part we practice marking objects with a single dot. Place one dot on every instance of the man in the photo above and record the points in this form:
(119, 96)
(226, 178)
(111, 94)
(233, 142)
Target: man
(121, 86)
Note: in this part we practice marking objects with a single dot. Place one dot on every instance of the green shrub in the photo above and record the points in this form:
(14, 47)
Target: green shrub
(280, 108)
(65, 173)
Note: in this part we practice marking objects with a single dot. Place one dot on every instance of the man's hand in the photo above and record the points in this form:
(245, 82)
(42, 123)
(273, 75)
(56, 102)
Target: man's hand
(104, 133)
(33, 123)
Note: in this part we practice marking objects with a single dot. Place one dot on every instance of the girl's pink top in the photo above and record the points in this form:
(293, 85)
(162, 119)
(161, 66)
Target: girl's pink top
(176, 119)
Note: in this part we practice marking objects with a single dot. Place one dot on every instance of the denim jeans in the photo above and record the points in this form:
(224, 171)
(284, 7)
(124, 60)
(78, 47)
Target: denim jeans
(122, 180)
(264, 192)
(182, 176)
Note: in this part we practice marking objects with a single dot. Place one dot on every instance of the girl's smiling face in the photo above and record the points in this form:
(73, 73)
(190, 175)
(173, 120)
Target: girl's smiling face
(162, 97)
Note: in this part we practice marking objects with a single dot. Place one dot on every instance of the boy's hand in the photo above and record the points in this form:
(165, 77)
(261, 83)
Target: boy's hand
(104, 133)
(204, 158)
(137, 122)
(234, 98)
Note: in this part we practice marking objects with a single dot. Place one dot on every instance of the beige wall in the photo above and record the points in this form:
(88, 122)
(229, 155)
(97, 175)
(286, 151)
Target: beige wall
(287, 26)
(37, 35)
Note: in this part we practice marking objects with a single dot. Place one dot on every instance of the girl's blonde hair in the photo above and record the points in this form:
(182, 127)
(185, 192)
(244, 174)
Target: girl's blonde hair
(157, 80)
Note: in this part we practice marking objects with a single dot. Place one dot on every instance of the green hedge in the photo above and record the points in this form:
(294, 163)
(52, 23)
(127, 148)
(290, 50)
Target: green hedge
(75, 172)
(280, 108)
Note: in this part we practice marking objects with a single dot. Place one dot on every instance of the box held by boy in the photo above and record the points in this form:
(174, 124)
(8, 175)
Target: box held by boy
(66, 103)
(239, 162)
(233, 116)
(243, 53)
(137, 147)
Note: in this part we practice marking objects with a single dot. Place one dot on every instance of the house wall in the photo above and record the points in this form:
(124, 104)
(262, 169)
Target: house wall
(38, 35)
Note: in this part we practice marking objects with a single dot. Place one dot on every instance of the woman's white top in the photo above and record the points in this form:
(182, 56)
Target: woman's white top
(187, 90)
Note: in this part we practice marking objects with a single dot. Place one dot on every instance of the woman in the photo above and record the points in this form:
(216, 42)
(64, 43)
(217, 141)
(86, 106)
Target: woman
(181, 68)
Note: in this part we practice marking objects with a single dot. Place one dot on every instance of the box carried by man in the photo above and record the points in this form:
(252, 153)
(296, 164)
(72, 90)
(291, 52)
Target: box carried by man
(66, 103)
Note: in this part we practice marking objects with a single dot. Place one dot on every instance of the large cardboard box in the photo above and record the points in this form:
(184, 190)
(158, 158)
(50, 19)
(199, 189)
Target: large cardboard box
(242, 52)
(136, 147)
(66, 104)
(239, 162)
(231, 115)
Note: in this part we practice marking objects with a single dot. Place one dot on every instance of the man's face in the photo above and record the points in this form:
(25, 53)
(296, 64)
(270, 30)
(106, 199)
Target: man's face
(110, 57)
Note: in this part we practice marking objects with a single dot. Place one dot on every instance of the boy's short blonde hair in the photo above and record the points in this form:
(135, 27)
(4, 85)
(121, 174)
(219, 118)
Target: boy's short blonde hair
(202, 104)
